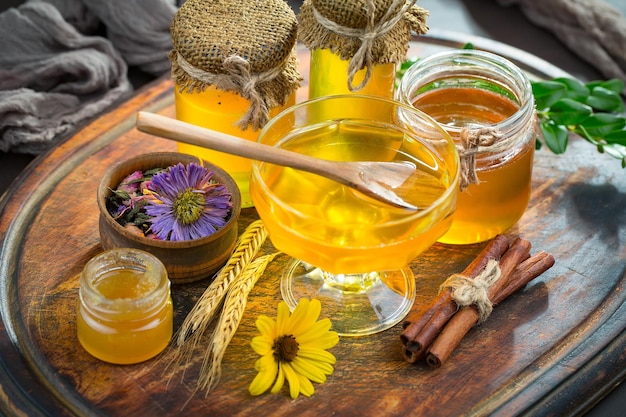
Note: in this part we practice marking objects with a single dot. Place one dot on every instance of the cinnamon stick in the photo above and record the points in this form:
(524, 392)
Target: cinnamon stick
(461, 323)
(518, 252)
(419, 332)
(525, 272)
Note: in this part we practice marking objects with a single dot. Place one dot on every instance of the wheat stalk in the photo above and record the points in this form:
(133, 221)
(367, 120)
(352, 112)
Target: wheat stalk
(204, 310)
(232, 312)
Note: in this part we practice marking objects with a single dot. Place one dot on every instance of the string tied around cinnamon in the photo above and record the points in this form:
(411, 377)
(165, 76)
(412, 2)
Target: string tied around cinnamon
(473, 142)
(474, 291)
(238, 77)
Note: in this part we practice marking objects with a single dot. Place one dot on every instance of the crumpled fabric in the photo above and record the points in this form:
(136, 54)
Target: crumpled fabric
(593, 29)
(58, 71)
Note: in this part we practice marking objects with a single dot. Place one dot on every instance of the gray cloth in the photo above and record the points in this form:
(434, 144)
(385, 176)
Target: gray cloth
(594, 29)
(139, 30)
(55, 74)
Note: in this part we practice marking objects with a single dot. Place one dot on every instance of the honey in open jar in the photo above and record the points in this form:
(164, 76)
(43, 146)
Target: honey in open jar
(481, 97)
(124, 312)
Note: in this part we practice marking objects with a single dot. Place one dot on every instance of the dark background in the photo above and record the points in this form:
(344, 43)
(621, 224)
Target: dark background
(483, 18)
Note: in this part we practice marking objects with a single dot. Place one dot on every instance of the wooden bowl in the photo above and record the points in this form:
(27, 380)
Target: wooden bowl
(186, 261)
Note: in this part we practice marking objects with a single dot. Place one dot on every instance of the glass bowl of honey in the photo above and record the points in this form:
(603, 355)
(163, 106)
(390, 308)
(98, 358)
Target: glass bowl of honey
(350, 251)
(485, 103)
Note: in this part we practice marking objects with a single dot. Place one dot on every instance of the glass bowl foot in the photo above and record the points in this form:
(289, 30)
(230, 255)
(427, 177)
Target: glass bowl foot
(357, 304)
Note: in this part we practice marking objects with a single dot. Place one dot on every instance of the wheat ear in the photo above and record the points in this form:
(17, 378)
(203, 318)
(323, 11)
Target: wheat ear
(189, 335)
(204, 310)
(234, 307)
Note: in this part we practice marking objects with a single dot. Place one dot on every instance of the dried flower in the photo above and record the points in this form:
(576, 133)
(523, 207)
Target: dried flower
(293, 348)
(178, 203)
(185, 204)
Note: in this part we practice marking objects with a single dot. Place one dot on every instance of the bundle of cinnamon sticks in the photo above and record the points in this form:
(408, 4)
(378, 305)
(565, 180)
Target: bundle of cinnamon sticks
(434, 334)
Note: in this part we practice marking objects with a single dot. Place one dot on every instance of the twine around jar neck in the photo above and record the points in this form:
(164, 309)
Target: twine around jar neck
(472, 143)
(374, 30)
(240, 79)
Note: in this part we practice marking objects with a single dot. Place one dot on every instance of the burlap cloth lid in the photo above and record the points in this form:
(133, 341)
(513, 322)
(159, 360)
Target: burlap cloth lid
(244, 46)
(366, 32)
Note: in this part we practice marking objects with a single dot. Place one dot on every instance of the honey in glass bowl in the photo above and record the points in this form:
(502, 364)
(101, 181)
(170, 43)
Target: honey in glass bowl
(477, 95)
(350, 251)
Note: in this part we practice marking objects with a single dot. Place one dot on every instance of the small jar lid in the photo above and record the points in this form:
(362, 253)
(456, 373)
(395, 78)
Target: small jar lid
(247, 46)
(344, 26)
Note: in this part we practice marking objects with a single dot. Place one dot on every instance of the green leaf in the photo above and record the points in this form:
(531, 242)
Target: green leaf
(555, 136)
(404, 66)
(615, 85)
(468, 45)
(617, 137)
(569, 112)
(547, 92)
(601, 124)
(576, 90)
(605, 100)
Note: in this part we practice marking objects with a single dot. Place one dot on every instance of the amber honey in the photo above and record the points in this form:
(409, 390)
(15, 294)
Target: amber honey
(328, 75)
(221, 110)
(338, 229)
(501, 197)
(234, 65)
(125, 312)
(470, 90)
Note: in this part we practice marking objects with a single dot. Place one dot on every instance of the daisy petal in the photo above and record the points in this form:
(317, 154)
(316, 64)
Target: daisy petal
(280, 380)
(309, 370)
(266, 326)
(292, 379)
(282, 316)
(261, 345)
(306, 387)
(317, 331)
(317, 355)
(263, 380)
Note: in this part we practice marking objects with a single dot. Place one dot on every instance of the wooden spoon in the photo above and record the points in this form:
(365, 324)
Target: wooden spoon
(374, 179)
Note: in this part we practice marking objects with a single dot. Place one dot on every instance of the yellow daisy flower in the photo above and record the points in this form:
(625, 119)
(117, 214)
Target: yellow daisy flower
(293, 348)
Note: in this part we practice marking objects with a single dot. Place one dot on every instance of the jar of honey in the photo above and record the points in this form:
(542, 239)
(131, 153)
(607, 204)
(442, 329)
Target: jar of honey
(124, 312)
(485, 103)
(355, 45)
(234, 67)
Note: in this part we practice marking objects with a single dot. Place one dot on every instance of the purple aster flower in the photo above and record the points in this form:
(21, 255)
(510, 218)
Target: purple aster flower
(185, 204)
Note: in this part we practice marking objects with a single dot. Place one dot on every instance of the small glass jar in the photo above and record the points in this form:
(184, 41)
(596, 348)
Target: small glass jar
(485, 103)
(124, 312)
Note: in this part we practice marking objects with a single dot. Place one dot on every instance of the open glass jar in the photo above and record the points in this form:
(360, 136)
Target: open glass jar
(485, 103)
(125, 312)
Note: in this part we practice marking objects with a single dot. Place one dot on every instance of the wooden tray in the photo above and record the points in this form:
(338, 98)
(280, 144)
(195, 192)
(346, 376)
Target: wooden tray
(553, 349)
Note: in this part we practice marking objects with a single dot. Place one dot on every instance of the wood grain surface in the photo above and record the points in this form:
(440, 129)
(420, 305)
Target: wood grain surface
(551, 349)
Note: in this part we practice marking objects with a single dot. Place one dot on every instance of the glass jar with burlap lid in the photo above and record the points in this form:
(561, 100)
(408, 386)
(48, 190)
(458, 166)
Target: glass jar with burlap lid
(234, 66)
(356, 44)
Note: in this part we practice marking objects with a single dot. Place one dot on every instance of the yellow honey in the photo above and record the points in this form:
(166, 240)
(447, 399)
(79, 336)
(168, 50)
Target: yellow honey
(124, 312)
